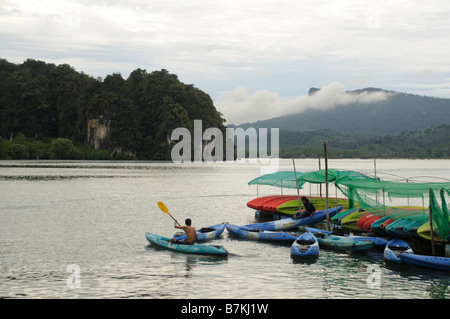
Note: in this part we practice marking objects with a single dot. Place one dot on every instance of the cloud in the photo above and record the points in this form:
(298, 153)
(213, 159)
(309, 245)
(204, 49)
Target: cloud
(257, 44)
(239, 107)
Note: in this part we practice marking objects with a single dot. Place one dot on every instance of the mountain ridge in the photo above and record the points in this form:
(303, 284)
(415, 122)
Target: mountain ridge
(398, 113)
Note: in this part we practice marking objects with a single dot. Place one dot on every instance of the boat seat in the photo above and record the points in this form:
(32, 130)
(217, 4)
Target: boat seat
(206, 230)
(305, 242)
(394, 247)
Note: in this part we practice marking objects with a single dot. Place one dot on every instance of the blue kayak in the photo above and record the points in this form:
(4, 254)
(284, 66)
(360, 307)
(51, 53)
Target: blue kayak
(205, 233)
(287, 223)
(190, 249)
(306, 245)
(257, 234)
(433, 262)
(395, 248)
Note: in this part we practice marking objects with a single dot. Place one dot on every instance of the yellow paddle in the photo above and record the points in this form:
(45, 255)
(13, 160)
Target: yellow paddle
(166, 210)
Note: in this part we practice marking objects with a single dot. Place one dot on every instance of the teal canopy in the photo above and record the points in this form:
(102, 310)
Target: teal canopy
(287, 178)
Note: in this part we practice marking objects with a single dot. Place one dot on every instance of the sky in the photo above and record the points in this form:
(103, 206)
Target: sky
(256, 58)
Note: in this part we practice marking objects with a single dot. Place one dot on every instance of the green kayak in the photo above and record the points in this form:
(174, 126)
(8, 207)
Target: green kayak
(189, 249)
(343, 243)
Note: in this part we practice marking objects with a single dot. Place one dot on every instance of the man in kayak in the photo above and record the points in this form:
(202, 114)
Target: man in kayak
(191, 233)
(308, 211)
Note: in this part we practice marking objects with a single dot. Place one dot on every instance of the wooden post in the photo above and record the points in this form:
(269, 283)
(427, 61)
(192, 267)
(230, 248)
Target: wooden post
(326, 184)
(433, 248)
(320, 185)
(296, 182)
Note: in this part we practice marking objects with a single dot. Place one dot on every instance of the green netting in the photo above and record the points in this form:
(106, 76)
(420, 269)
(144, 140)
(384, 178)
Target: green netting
(439, 214)
(376, 197)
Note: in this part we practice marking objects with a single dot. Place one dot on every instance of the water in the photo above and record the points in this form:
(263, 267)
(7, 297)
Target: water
(77, 230)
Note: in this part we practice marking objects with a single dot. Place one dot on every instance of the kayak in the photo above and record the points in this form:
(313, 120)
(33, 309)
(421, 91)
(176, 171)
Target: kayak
(366, 221)
(205, 233)
(396, 228)
(257, 234)
(395, 248)
(190, 249)
(350, 221)
(287, 223)
(433, 262)
(377, 241)
(376, 225)
(271, 202)
(343, 243)
(305, 245)
(336, 219)
(411, 228)
(291, 207)
(424, 231)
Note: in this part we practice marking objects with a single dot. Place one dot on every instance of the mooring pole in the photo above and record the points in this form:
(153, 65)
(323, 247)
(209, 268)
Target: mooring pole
(433, 248)
(326, 184)
(296, 182)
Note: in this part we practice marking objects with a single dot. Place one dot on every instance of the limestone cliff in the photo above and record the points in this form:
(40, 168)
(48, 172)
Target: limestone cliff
(98, 131)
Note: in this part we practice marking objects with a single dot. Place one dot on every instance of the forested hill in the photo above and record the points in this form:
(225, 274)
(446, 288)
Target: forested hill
(44, 101)
(399, 112)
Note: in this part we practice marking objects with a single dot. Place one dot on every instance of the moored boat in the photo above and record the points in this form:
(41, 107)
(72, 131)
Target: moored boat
(432, 262)
(306, 245)
(288, 223)
(165, 242)
(395, 248)
(258, 234)
(205, 233)
(343, 243)
(378, 242)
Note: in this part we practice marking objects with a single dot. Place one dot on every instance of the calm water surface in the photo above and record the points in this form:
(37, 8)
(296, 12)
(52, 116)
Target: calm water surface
(94, 215)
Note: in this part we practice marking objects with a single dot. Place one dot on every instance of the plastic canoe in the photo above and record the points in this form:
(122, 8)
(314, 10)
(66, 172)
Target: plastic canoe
(433, 262)
(396, 229)
(395, 248)
(291, 207)
(377, 241)
(306, 245)
(206, 233)
(343, 243)
(376, 225)
(256, 234)
(350, 221)
(336, 219)
(365, 222)
(189, 249)
(411, 228)
(287, 223)
(424, 231)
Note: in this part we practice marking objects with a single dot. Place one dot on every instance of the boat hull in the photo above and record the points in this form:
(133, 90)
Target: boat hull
(305, 245)
(257, 234)
(432, 262)
(288, 223)
(201, 249)
(207, 233)
(395, 248)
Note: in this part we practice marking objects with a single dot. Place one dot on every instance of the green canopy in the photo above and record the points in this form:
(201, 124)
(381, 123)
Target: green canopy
(287, 178)
(279, 179)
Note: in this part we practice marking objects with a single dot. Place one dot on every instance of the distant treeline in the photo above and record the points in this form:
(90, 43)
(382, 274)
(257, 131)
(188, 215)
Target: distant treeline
(44, 106)
(430, 143)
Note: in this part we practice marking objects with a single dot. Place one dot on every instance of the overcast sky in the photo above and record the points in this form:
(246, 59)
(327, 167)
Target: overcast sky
(255, 58)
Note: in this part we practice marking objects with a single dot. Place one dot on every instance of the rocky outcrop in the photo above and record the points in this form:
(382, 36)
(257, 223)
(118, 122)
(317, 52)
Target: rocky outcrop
(98, 132)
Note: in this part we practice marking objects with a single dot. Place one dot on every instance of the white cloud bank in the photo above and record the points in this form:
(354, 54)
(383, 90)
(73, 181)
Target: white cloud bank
(238, 107)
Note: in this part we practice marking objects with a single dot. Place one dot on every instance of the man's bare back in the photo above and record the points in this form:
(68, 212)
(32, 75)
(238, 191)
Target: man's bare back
(191, 233)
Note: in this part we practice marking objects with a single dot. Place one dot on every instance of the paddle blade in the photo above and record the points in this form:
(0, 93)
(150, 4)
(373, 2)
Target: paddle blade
(163, 207)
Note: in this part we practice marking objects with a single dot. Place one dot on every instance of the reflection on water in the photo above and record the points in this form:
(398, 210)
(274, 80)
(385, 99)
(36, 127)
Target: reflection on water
(95, 215)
